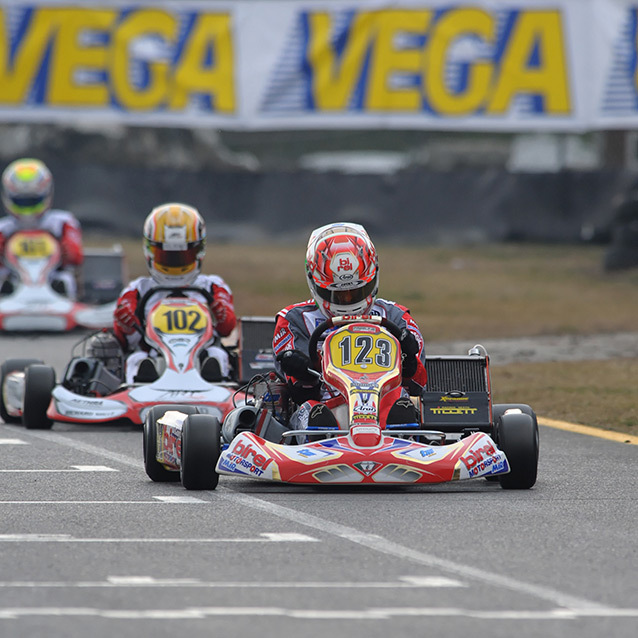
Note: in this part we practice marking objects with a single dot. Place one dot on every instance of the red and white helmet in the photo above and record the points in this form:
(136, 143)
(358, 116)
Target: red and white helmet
(342, 269)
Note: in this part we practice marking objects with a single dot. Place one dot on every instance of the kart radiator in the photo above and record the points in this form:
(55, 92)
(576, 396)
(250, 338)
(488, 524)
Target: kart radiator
(456, 374)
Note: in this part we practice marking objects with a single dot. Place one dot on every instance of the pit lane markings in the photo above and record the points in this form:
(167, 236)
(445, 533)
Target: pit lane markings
(266, 537)
(111, 582)
(577, 428)
(74, 468)
(378, 613)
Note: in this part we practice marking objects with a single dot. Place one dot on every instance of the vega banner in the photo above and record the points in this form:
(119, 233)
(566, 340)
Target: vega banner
(516, 65)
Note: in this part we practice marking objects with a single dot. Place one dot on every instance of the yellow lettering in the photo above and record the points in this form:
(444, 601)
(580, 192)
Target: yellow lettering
(71, 57)
(139, 24)
(16, 78)
(452, 26)
(333, 81)
(211, 33)
(540, 29)
(388, 61)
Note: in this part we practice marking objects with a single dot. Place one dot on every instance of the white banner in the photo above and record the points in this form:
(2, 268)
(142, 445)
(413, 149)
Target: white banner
(516, 65)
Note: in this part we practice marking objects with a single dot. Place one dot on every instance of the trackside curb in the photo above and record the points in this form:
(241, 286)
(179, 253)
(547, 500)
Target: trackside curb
(610, 435)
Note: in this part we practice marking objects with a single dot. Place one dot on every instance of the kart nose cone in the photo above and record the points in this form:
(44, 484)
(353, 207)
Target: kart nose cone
(365, 435)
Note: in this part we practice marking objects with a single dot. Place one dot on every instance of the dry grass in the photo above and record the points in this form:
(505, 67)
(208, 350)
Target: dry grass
(599, 393)
(476, 293)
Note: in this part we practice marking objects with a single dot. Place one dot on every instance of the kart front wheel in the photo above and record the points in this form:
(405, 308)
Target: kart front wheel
(154, 469)
(201, 448)
(518, 438)
(39, 381)
(9, 366)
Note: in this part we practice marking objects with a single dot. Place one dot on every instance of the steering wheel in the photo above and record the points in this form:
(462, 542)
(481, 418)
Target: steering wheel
(390, 326)
(178, 291)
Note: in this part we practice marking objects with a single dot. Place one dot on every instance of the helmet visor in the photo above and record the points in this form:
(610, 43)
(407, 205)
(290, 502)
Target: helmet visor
(27, 205)
(175, 260)
(346, 297)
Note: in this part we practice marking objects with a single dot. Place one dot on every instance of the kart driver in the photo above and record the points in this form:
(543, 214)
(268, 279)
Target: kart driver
(27, 193)
(342, 273)
(174, 246)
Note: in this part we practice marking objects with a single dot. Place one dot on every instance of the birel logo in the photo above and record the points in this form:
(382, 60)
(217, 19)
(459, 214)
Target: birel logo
(344, 263)
(248, 457)
(473, 457)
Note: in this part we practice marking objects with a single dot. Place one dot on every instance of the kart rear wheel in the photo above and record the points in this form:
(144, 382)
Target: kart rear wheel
(201, 447)
(11, 365)
(518, 438)
(154, 469)
(39, 381)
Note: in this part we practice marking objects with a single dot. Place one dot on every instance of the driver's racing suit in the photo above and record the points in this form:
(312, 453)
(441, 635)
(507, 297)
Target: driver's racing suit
(293, 327)
(66, 229)
(126, 326)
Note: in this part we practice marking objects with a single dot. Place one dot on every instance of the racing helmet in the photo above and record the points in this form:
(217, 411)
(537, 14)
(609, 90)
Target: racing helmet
(27, 190)
(342, 269)
(174, 244)
(105, 347)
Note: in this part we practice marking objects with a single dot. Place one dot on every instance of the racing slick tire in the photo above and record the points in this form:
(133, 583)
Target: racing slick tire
(39, 381)
(11, 365)
(201, 447)
(154, 469)
(517, 437)
(498, 409)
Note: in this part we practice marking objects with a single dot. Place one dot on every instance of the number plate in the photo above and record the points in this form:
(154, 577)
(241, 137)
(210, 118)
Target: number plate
(187, 319)
(363, 351)
(31, 246)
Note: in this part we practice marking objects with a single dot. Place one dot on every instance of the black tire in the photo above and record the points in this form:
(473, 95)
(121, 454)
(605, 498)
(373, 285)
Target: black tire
(498, 409)
(11, 365)
(201, 447)
(39, 381)
(154, 469)
(518, 438)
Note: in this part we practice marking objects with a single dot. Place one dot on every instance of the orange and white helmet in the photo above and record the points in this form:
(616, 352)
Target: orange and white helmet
(27, 190)
(342, 269)
(174, 244)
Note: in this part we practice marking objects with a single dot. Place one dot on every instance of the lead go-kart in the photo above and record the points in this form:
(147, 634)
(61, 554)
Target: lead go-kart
(457, 434)
(33, 304)
(178, 328)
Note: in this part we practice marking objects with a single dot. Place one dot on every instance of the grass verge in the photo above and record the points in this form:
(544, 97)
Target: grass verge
(475, 293)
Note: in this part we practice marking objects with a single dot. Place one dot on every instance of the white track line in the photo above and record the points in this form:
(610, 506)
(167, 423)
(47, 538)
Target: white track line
(371, 541)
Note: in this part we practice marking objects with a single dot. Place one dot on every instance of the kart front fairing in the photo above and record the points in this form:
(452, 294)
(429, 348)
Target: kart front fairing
(362, 361)
(33, 255)
(340, 461)
(178, 328)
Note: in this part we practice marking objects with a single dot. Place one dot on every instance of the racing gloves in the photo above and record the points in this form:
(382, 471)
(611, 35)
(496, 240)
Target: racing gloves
(223, 311)
(295, 363)
(126, 320)
(409, 353)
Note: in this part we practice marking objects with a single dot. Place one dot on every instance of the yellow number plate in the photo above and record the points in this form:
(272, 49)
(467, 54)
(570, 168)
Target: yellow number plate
(184, 320)
(363, 352)
(31, 246)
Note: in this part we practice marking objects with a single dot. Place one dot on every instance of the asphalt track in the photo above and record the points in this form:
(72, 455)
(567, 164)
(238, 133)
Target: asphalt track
(89, 546)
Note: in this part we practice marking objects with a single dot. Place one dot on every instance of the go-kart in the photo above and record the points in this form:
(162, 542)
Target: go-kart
(177, 328)
(32, 303)
(458, 434)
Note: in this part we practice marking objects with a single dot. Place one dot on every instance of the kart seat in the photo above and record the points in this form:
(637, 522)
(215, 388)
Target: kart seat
(147, 372)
